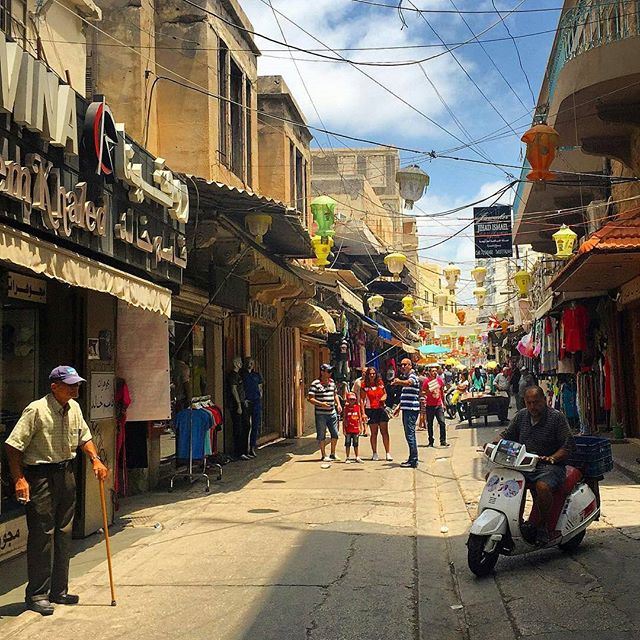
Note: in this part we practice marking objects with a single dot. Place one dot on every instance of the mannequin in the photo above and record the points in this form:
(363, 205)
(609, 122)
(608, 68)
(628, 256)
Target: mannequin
(238, 410)
(253, 388)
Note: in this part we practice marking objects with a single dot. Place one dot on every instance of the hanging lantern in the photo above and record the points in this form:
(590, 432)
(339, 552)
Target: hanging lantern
(472, 338)
(461, 314)
(412, 181)
(480, 295)
(451, 275)
(407, 305)
(564, 238)
(395, 263)
(322, 249)
(505, 325)
(258, 225)
(542, 142)
(479, 274)
(442, 299)
(522, 279)
(418, 311)
(323, 209)
(375, 301)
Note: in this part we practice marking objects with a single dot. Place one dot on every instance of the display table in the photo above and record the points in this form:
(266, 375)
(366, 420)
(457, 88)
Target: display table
(483, 405)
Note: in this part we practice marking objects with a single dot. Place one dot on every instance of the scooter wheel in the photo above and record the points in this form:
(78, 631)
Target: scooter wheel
(480, 562)
(572, 545)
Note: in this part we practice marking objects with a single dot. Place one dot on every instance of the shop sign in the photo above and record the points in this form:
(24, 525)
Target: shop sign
(22, 287)
(36, 98)
(13, 537)
(264, 312)
(492, 230)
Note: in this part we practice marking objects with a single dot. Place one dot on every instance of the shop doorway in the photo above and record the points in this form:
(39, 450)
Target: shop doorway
(264, 352)
(631, 351)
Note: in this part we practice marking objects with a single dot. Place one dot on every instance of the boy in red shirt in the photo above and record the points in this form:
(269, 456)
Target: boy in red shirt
(352, 426)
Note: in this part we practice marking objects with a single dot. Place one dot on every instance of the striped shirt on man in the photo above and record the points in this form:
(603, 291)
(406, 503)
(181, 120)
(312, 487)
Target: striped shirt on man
(324, 393)
(410, 395)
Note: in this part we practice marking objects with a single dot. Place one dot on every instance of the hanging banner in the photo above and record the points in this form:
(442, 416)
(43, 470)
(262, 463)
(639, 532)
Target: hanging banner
(492, 231)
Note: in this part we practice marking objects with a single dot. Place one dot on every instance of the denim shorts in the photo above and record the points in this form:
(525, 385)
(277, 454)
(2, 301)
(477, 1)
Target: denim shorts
(351, 439)
(551, 474)
(326, 421)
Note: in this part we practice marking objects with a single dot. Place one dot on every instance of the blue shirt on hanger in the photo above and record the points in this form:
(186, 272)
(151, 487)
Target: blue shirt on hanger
(199, 421)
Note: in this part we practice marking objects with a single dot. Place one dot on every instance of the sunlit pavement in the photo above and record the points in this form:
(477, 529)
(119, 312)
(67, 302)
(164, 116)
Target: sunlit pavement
(355, 551)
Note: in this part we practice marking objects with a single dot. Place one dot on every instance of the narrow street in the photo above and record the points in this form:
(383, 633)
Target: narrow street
(353, 551)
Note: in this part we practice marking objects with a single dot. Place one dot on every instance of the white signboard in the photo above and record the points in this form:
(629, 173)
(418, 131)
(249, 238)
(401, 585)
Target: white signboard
(13, 537)
(143, 362)
(102, 395)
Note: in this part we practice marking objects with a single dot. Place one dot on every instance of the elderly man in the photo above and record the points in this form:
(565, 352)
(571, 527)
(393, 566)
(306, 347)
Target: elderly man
(545, 432)
(41, 450)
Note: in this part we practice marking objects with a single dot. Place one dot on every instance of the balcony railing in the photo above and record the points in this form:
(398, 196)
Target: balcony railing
(591, 24)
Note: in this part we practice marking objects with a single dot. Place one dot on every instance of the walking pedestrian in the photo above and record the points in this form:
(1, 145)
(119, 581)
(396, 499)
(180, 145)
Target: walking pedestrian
(41, 449)
(374, 395)
(502, 385)
(410, 407)
(433, 392)
(253, 392)
(477, 380)
(462, 387)
(324, 396)
(422, 418)
(353, 427)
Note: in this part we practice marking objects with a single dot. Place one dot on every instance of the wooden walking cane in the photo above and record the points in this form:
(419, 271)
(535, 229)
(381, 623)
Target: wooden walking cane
(105, 526)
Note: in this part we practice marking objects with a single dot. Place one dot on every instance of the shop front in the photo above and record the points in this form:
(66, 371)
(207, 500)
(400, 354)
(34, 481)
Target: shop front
(90, 242)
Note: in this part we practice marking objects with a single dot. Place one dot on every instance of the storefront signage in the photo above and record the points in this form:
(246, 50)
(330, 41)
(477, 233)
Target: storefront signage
(36, 98)
(264, 312)
(102, 395)
(26, 288)
(13, 537)
(100, 137)
(492, 229)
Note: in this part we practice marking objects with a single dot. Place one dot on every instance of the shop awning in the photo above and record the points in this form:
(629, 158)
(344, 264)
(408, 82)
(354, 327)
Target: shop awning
(76, 270)
(311, 317)
(351, 299)
(607, 260)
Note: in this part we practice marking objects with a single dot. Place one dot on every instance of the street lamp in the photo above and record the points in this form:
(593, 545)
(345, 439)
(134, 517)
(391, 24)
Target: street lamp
(375, 301)
(258, 225)
(451, 275)
(395, 263)
(564, 238)
(413, 181)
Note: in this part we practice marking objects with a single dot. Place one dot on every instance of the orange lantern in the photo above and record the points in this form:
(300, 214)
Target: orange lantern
(505, 325)
(542, 142)
(461, 315)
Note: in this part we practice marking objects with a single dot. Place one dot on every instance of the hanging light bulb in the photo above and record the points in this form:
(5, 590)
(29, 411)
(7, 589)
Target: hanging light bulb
(522, 279)
(395, 263)
(375, 302)
(412, 181)
(479, 274)
(407, 305)
(564, 238)
(258, 225)
(451, 275)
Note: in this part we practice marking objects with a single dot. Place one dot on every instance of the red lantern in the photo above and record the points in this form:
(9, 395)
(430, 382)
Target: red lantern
(461, 340)
(542, 142)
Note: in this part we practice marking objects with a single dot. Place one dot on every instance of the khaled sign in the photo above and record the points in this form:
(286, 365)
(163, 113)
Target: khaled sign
(492, 231)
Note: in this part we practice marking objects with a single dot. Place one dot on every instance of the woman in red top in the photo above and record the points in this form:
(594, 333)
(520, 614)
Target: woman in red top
(373, 396)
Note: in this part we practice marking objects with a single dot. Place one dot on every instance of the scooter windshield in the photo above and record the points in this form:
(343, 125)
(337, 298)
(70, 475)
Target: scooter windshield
(507, 452)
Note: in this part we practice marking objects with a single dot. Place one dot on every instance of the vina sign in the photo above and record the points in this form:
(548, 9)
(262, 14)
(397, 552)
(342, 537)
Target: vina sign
(36, 98)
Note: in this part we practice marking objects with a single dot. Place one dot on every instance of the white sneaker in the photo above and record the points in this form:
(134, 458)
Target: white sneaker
(389, 458)
(375, 456)
(360, 460)
(326, 459)
(348, 461)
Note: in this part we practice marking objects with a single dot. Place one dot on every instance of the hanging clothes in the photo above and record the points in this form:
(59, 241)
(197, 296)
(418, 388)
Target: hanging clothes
(192, 425)
(575, 321)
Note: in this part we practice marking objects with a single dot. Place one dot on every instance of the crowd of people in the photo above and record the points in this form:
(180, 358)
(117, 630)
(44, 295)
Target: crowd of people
(423, 394)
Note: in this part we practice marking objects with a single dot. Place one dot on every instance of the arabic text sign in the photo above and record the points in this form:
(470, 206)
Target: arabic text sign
(13, 537)
(492, 231)
(102, 396)
(26, 288)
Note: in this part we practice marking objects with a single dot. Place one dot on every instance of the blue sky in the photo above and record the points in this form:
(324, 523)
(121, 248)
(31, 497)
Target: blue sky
(345, 100)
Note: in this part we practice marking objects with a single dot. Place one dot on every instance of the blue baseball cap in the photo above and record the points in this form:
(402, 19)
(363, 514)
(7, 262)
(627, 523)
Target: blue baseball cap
(65, 374)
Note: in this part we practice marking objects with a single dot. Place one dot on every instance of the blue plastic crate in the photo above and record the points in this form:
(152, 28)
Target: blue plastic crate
(592, 455)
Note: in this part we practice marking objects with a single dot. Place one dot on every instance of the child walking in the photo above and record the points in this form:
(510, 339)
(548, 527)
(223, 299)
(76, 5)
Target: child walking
(353, 426)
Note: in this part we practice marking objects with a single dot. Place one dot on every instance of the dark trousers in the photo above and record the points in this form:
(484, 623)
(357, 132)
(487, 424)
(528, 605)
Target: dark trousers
(50, 521)
(438, 414)
(255, 412)
(241, 427)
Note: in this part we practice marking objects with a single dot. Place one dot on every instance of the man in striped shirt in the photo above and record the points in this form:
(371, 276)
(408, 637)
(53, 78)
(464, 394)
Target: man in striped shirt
(324, 396)
(410, 406)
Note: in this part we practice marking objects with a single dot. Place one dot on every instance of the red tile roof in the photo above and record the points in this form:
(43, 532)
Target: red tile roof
(621, 234)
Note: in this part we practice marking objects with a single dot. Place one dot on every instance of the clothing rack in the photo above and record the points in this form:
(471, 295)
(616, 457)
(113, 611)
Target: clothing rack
(196, 403)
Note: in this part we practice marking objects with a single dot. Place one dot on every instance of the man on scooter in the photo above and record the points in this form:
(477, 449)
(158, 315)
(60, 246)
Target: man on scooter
(545, 432)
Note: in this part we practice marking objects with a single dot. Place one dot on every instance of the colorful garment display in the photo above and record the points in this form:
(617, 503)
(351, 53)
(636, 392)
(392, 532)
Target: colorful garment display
(575, 322)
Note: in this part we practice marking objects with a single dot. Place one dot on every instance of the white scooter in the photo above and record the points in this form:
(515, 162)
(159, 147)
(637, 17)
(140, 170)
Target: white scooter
(499, 529)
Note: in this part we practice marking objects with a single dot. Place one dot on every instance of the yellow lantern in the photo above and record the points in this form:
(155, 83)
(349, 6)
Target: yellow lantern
(479, 274)
(451, 275)
(407, 305)
(564, 238)
(480, 295)
(395, 263)
(258, 225)
(442, 299)
(322, 250)
(375, 301)
(522, 279)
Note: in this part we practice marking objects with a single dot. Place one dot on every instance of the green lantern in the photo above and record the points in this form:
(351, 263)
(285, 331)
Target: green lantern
(323, 209)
